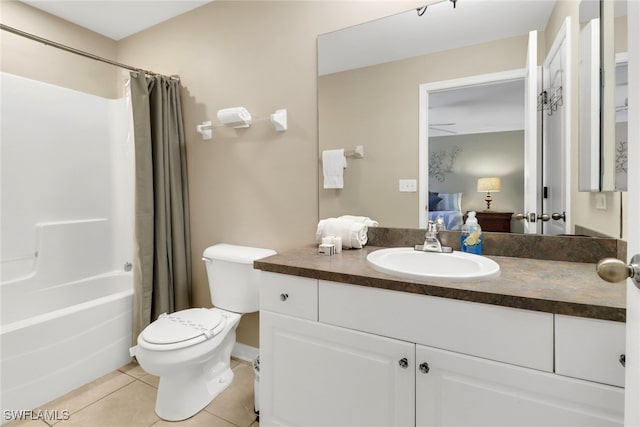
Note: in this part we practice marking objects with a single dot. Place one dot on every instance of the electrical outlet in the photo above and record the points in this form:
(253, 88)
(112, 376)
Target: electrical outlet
(408, 186)
(601, 201)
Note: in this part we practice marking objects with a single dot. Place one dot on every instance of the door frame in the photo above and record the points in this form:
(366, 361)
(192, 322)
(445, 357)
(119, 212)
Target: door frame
(425, 89)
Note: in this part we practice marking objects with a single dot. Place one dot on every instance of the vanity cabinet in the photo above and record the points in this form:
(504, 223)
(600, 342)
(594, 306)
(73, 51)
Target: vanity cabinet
(462, 390)
(366, 356)
(320, 375)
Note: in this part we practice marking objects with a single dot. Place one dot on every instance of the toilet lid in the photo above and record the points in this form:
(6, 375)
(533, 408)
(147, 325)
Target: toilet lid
(183, 326)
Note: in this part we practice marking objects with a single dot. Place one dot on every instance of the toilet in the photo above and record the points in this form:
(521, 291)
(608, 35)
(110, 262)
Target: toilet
(190, 350)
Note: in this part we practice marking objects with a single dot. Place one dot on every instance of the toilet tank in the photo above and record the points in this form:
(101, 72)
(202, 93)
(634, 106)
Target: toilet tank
(233, 282)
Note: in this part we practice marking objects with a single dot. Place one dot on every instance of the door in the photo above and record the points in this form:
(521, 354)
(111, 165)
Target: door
(321, 375)
(556, 120)
(454, 389)
(532, 151)
(632, 378)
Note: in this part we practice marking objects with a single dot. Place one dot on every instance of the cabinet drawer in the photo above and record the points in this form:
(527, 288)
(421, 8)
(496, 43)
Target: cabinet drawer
(590, 349)
(510, 335)
(292, 295)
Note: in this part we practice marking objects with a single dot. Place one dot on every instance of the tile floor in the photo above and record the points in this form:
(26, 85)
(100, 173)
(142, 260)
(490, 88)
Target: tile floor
(126, 398)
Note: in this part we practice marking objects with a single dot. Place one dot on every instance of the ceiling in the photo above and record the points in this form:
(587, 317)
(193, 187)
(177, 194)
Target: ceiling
(494, 107)
(116, 19)
(441, 27)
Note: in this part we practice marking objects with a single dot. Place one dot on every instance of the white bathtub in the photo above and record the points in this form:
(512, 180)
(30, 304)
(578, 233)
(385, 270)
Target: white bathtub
(56, 339)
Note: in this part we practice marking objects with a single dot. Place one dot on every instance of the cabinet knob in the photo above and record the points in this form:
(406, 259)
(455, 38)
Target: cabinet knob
(404, 363)
(424, 367)
(284, 296)
(623, 360)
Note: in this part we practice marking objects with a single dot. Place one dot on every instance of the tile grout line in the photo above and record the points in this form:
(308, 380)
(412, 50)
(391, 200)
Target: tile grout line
(100, 398)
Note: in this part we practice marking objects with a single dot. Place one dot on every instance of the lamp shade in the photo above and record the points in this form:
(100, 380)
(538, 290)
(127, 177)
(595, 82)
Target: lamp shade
(490, 184)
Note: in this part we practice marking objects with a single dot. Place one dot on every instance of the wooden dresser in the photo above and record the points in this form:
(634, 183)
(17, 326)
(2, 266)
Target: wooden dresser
(494, 221)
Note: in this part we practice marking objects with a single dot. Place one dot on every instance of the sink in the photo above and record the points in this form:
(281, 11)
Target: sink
(453, 267)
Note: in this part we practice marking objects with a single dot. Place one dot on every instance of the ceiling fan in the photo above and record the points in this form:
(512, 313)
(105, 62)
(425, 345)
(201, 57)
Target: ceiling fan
(438, 127)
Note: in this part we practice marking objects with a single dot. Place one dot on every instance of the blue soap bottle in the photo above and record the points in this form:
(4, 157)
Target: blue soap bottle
(471, 237)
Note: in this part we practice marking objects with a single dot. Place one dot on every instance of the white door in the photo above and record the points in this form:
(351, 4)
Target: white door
(632, 378)
(532, 152)
(321, 375)
(454, 389)
(556, 119)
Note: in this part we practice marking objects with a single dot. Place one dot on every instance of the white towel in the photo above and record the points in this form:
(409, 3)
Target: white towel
(353, 233)
(333, 164)
(363, 219)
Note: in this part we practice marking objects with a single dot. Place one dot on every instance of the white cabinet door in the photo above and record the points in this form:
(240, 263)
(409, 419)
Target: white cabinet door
(461, 390)
(320, 375)
(590, 349)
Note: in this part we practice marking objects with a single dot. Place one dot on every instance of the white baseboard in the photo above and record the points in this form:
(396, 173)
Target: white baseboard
(244, 352)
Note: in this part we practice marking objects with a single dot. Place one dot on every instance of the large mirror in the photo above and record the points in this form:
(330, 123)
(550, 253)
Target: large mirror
(470, 64)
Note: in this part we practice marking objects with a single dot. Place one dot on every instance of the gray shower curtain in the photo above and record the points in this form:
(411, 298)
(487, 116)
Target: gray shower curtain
(162, 268)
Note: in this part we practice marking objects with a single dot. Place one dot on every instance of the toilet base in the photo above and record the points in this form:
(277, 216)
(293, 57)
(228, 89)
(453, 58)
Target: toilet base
(185, 389)
(195, 394)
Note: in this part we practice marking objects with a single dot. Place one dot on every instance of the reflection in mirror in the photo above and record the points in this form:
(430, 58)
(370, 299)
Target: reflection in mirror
(485, 140)
(603, 46)
(373, 100)
(589, 96)
(622, 108)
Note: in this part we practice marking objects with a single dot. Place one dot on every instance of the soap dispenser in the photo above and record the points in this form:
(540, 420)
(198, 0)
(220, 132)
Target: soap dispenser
(471, 237)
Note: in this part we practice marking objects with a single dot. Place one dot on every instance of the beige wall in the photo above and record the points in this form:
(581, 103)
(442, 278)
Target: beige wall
(34, 60)
(251, 187)
(255, 186)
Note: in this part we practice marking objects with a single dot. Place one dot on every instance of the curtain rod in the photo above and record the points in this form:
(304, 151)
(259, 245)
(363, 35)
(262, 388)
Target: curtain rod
(77, 51)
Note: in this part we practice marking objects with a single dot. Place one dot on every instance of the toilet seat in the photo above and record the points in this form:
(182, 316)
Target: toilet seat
(182, 329)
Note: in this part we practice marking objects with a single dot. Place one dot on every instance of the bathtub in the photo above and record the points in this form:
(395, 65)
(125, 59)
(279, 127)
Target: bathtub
(57, 338)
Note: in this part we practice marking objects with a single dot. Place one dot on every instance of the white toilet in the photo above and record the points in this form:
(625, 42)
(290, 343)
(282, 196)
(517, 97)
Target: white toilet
(190, 350)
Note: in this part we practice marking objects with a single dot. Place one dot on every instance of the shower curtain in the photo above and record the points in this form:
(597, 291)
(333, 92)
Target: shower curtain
(162, 271)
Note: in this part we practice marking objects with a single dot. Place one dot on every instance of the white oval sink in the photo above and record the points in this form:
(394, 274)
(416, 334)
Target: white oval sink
(411, 264)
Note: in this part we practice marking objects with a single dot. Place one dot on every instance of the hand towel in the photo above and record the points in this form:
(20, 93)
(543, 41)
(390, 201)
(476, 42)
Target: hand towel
(333, 164)
(352, 233)
(363, 219)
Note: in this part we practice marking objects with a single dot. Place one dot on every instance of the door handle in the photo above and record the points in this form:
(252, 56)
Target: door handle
(529, 216)
(614, 270)
(533, 217)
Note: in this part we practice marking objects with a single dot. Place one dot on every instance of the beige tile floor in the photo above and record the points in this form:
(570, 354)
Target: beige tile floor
(126, 398)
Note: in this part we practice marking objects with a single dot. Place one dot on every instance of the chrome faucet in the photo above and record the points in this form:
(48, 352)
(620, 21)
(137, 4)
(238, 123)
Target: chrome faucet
(431, 241)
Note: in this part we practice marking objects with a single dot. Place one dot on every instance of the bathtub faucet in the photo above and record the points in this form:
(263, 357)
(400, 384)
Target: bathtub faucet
(128, 266)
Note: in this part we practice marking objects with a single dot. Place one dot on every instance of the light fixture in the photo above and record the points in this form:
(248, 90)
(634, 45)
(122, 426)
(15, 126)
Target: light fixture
(489, 185)
(423, 9)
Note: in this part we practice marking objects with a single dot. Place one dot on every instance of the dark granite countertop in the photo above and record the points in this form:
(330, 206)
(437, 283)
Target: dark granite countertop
(560, 287)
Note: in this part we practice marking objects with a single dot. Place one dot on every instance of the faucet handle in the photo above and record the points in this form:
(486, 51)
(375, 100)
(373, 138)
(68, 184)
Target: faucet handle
(432, 228)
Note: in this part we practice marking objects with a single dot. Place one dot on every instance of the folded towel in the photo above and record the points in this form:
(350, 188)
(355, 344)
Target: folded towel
(363, 219)
(353, 233)
(333, 164)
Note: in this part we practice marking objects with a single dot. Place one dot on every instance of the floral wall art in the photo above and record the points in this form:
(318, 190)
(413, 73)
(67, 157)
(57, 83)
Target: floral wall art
(441, 162)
